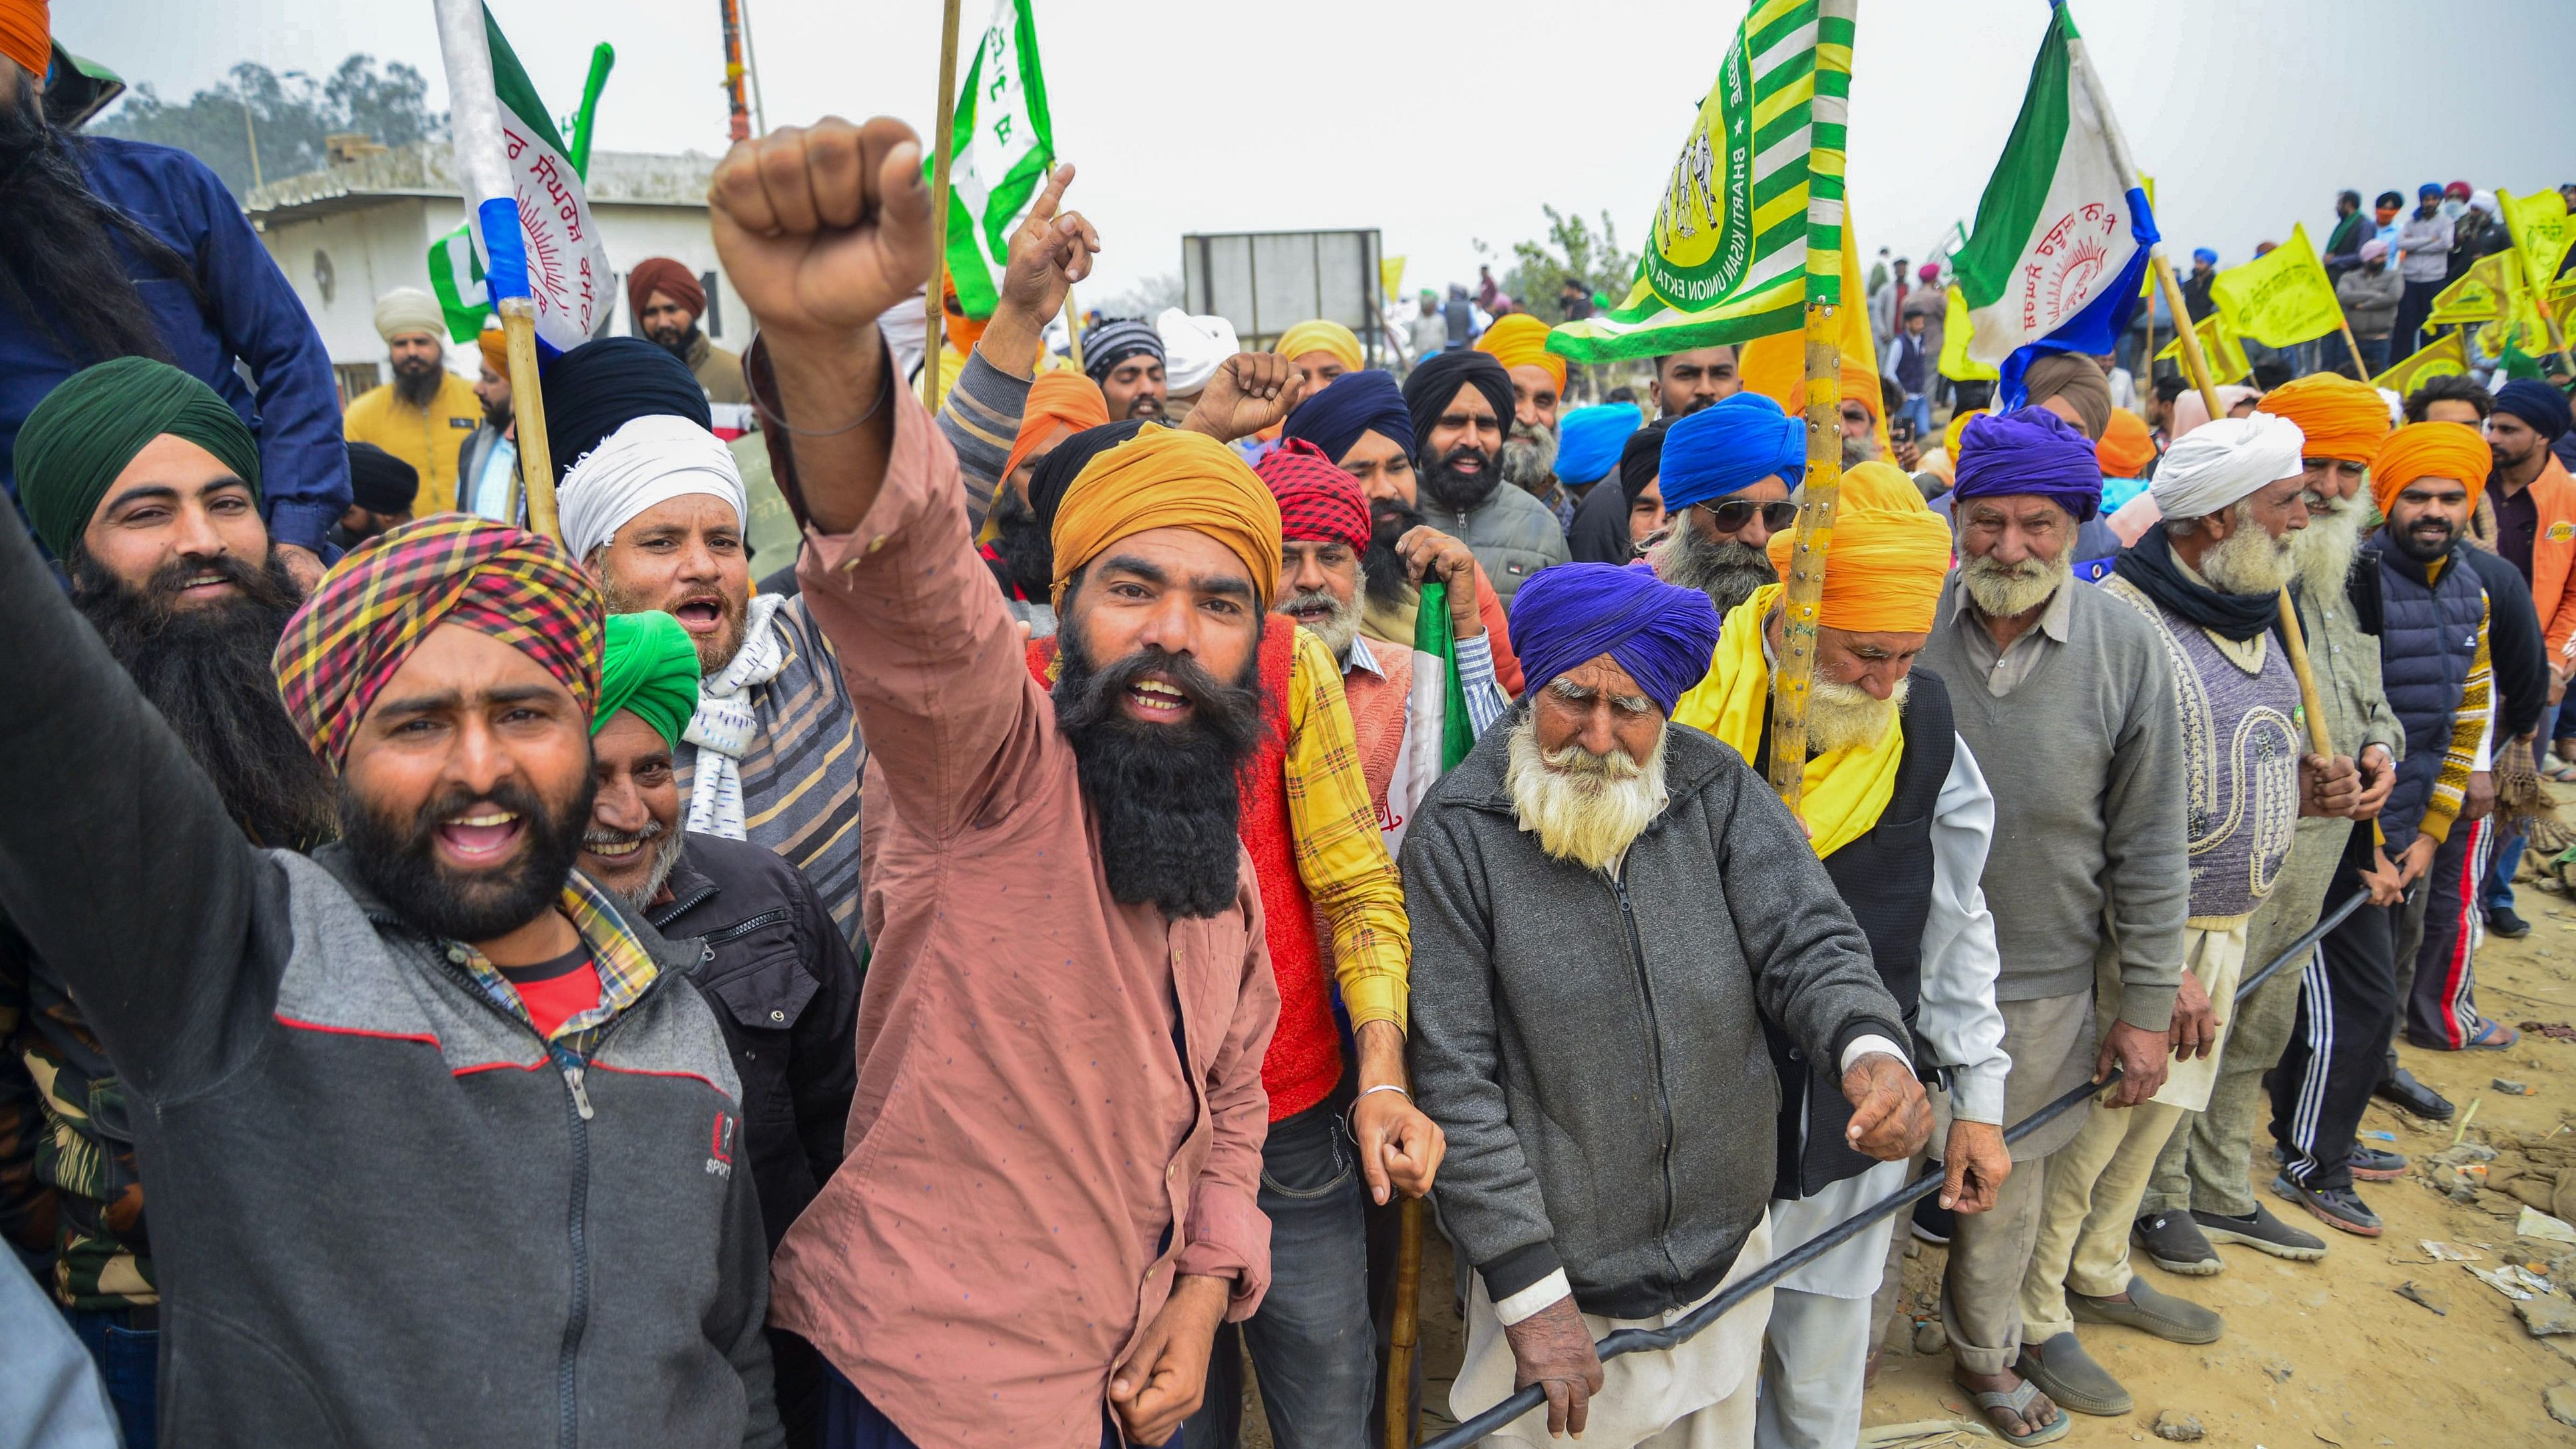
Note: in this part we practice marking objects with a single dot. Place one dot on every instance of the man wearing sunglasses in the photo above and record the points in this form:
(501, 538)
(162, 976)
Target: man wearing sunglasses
(1727, 472)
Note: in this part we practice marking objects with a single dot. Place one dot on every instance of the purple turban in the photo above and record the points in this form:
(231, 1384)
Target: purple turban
(1730, 445)
(2029, 450)
(1570, 614)
(1352, 404)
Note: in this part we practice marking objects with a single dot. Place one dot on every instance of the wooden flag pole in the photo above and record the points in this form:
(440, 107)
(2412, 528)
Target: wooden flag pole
(2360, 365)
(1404, 1329)
(528, 411)
(1073, 326)
(935, 324)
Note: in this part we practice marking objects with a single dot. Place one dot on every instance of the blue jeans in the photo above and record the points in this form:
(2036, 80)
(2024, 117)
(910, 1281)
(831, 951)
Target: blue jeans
(129, 1363)
(1919, 408)
(1313, 1346)
(2509, 844)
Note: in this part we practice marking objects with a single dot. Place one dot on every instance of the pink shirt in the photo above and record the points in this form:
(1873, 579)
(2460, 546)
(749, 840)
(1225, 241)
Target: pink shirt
(1029, 1161)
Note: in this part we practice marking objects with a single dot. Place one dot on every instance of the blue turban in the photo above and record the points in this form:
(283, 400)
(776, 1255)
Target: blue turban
(2537, 403)
(1729, 446)
(1111, 343)
(1570, 614)
(2029, 450)
(1588, 440)
(1352, 404)
(2204, 254)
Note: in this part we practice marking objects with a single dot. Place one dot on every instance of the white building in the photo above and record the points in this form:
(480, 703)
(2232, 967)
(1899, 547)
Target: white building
(364, 225)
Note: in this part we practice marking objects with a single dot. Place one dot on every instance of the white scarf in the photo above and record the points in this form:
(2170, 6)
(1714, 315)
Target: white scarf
(725, 724)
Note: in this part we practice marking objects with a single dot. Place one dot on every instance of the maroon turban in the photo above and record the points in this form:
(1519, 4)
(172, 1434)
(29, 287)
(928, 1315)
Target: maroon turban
(1318, 502)
(663, 275)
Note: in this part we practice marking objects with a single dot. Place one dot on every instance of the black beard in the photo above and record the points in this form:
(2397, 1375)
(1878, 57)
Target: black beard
(498, 417)
(2419, 549)
(60, 240)
(1027, 549)
(208, 671)
(1382, 571)
(417, 389)
(678, 346)
(1443, 484)
(397, 860)
(1167, 796)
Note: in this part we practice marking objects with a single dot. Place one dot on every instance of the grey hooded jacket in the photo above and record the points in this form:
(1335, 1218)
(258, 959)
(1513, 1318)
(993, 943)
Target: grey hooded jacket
(1593, 1046)
(1511, 533)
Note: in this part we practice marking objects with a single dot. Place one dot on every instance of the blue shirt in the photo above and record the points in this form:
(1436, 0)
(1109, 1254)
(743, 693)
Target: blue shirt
(250, 314)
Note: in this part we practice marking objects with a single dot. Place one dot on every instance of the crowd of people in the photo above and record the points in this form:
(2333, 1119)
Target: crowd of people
(997, 972)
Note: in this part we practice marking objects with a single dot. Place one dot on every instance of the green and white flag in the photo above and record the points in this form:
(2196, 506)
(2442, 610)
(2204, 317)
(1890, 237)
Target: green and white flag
(1002, 147)
(1437, 732)
(1758, 182)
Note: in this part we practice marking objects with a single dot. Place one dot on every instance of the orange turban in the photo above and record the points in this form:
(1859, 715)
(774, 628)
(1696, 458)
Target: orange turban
(1062, 397)
(1889, 554)
(2430, 450)
(2126, 449)
(496, 350)
(1167, 479)
(26, 35)
(1520, 340)
(2342, 419)
(1776, 367)
(1343, 344)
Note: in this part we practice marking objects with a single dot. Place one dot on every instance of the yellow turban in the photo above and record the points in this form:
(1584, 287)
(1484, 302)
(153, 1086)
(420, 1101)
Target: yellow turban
(2339, 417)
(1167, 479)
(1883, 572)
(1322, 336)
(2430, 450)
(1520, 340)
(1958, 425)
(1776, 367)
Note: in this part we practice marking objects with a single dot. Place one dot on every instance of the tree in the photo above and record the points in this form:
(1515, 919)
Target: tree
(1571, 249)
(291, 113)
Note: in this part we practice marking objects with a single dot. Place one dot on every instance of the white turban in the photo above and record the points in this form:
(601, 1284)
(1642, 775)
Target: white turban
(2224, 462)
(647, 461)
(409, 309)
(1193, 348)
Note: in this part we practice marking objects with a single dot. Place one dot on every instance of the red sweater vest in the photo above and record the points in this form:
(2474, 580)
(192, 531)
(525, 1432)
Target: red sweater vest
(1305, 1059)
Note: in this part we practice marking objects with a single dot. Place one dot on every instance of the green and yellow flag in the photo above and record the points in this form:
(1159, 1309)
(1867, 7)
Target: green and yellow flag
(2487, 290)
(1956, 364)
(2444, 358)
(2227, 360)
(2281, 298)
(2542, 231)
(1758, 182)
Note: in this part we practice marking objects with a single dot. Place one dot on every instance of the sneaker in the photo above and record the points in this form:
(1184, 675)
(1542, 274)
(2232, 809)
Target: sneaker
(1934, 1223)
(2174, 1241)
(2503, 922)
(2410, 1095)
(2370, 1164)
(2340, 1207)
(2263, 1233)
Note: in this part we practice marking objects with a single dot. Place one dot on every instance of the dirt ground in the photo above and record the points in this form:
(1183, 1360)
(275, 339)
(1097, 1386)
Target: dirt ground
(2327, 1352)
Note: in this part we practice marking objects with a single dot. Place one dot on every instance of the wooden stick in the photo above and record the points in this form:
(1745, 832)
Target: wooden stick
(2296, 641)
(1404, 1328)
(2359, 365)
(528, 410)
(935, 326)
(2194, 361)
(1796, 669)
(1073, 326)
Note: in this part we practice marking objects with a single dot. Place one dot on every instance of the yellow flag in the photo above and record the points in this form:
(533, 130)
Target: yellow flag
(1956, 364)
(1390, 276)
(2541, 230)
(2281, 298)
(2444, 358)
(2483, 293)
(2227, 360)
(1776, 365)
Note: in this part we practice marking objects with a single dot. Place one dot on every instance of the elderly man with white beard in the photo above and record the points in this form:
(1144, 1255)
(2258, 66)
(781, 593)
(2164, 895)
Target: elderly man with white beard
(1900, 815)
(2072, 691)
(2201, 1195)
(1606, 910)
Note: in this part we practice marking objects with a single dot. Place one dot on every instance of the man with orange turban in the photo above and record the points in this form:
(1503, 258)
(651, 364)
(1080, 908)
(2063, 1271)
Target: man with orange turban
(1519, 342)
(1902, 817)
(2200, 1195)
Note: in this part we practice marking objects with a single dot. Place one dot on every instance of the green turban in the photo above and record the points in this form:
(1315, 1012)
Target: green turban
(649, 667)
(85, 432)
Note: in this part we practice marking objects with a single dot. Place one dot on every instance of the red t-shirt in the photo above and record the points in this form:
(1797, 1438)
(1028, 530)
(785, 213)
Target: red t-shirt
(556, 991)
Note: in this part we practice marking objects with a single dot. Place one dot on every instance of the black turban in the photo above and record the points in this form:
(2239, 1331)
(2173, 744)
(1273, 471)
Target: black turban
(599, 387)
(379, 482)
(1057, 470)
(1435, 383)
(1642, 457)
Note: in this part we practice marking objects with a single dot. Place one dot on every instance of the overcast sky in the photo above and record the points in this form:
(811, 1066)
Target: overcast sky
(1446, 122)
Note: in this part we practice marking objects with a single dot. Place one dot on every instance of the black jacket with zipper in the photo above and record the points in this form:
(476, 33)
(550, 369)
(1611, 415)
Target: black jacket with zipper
(385, 1211)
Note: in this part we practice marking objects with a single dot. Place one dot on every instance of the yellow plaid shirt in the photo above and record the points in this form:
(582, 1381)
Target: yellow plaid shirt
(625, 967)
(1340, 856)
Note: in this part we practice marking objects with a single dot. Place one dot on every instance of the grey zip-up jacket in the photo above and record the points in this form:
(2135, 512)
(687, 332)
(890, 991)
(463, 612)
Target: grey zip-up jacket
(1512, 534)
(384, 1211)
(1593, 1046)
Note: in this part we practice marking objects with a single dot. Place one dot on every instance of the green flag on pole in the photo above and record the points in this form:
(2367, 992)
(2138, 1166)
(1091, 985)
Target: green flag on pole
(1003, 145)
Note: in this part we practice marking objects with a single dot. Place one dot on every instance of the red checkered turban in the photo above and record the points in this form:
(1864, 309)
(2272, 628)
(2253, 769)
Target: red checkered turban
(377, 605)
(1318, 502)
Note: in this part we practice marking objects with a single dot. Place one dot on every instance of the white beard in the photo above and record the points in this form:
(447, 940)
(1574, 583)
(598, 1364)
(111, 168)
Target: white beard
(2251, 561)
(2326, 548)
(1846, 716)
(2003, 591)
(1338, 628)
(1583, 807)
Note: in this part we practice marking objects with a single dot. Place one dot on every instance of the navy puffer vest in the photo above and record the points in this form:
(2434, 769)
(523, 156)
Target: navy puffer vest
(2428, 639)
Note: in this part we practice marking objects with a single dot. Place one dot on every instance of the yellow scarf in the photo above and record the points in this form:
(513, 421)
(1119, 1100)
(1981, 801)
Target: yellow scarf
(1846, 790)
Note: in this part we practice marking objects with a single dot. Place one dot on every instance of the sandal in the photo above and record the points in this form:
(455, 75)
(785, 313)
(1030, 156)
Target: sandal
(2487, 1038)
(1995, 1403)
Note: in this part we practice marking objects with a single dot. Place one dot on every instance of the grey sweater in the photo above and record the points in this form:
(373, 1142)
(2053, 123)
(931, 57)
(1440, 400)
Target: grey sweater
(2085, 759)
(1593, 1047)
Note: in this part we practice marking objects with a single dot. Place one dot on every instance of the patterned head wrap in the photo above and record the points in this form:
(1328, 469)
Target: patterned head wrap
(2430, 450)
(1318, 502)
(1167, 479)
(1351, 404)
(1520, 340)
(648, 666)
(1729, 446)
(373, 609)
(1889, 555)
(1322, 336)
(663, 275)
(1588, 440)
(2340, 418)
(1111, 343)
(2027, 450)
(1566, 616)
(83, 434)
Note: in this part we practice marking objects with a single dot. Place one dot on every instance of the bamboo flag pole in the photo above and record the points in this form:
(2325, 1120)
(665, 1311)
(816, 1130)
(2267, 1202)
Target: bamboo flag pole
(1073, 326)
(1404, 1331)
(528, 411)
(935, 324)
